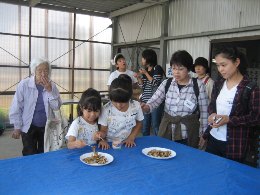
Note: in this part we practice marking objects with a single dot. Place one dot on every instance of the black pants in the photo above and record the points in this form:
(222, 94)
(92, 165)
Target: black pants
(216, 147)
(33, 140)
(182, 141)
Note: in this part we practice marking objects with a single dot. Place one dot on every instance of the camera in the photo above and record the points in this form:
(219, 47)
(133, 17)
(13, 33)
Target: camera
(217, 120)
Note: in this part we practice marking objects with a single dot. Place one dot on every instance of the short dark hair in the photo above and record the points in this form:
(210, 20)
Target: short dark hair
(150, 56)
(232, 53)
(182, 57)
(126, 77)
(203, 62)
(91, 100)
(120, 90)
(117, 57)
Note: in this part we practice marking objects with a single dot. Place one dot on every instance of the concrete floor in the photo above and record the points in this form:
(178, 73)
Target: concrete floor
(10, 147)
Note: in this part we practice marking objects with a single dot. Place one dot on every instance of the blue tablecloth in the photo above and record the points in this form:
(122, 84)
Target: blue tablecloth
(190, 172)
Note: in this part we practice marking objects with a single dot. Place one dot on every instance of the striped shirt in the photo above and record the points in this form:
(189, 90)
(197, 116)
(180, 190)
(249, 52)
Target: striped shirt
(175, 99)
(149, 87)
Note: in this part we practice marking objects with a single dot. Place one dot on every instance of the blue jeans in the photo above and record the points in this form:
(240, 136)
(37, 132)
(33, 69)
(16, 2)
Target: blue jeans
(152, 119)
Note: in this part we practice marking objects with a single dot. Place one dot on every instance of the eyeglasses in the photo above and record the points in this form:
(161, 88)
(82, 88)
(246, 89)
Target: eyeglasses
(178, 68)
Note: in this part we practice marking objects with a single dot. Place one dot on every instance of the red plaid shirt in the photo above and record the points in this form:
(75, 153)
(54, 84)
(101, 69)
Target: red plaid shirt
(240, 120)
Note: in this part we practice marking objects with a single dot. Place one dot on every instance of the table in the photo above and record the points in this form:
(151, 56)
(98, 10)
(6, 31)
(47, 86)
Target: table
(190, 172)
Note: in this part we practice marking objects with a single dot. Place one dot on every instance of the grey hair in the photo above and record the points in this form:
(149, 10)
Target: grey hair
(38, 61)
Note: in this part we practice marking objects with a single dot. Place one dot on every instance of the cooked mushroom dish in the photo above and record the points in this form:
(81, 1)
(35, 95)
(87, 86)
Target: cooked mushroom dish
(99, 159)
(159, 153)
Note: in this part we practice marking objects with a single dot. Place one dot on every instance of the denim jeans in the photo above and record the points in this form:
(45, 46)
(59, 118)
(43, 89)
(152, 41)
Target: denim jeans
(153, 120)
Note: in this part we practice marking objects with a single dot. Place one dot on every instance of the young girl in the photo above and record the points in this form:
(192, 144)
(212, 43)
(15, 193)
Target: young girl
(149, 78)
(83, 129)
(121, 117)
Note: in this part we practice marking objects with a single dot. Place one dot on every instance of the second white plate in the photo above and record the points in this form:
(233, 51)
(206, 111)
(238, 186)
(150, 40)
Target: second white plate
(146, 150)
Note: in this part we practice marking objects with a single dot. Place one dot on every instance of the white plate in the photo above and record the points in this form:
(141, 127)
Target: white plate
(146, 150)
(108, 156)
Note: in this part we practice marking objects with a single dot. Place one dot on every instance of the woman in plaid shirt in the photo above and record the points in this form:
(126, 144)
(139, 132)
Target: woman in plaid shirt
(230, 121)
(185, 115)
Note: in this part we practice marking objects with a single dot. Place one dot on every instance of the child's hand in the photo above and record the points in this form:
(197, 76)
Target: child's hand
(97, 136)
(145, 108)
(79, 144)
(130, 142)
(103, 145)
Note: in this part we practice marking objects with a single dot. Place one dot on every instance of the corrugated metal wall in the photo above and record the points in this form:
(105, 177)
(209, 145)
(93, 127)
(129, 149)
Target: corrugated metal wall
(195, 16)
(131, 23)
(195, 46)
(200, 46)
(187, 17)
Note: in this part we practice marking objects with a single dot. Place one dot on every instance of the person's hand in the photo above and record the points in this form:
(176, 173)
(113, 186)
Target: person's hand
(202, 143)
(145, 107)
(223, 119)
(142, 71)
(46, 83)
(98, 135)
(136, 75)
(16, 134)
(79, 144)
(211, 118)
(130, 142)
(103, 145)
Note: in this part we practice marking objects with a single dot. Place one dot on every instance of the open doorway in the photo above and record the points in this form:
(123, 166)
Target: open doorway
(250, 46)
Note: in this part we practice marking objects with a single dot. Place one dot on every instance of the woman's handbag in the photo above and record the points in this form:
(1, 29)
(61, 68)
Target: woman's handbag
(55, 131)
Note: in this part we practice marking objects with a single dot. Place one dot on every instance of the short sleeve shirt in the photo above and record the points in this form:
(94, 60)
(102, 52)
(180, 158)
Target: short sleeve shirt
(82, 130)
(225, 101)
(120, 124)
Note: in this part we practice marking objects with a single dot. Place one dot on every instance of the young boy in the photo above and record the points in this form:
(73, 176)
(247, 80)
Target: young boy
(121, 65)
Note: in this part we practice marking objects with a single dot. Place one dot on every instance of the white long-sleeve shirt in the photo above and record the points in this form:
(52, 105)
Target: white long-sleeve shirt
(24, 102)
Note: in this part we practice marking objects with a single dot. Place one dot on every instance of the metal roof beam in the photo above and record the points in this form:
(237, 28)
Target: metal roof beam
(135, 7)
(139, 42)
(72, 10)
(33, 3)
